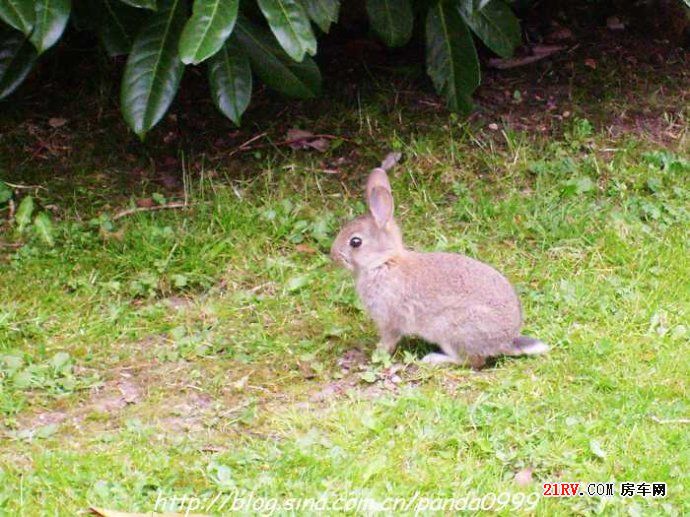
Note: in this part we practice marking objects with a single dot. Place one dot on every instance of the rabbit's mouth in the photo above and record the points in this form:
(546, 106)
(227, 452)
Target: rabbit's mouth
(344, 260)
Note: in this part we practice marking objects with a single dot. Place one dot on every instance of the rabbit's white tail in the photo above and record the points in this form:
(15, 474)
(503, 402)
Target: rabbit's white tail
(525, 345)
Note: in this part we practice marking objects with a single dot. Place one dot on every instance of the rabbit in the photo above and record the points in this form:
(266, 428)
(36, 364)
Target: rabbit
(464, 306)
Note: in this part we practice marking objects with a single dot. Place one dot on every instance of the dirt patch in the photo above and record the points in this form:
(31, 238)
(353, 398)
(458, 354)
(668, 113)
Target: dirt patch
(357, 374)
(212, 399)
(188, 414)
(179, 397)
(110, 397)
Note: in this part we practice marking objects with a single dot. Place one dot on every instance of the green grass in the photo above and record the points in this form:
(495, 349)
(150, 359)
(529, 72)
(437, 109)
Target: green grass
(230, 324)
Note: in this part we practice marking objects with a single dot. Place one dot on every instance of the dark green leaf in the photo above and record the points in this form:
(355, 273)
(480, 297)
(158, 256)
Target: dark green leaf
(44, 228)
(494, 23)
(392, 20)
(118, 24)
(452, 61)
(274, 67)
(51, 19)
(19, 14)
(154, 70)
(230, 77)
(23, 216)
(290, 25)
(143, 4)
(85, 14)
(211, 24)
(17, 56)
(5, 193)
(324, 12)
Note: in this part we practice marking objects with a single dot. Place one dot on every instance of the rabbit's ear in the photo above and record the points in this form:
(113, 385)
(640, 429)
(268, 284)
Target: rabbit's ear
(380, 203)
(377, 178)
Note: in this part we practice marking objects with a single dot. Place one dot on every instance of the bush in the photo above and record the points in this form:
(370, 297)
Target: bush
(273, 39)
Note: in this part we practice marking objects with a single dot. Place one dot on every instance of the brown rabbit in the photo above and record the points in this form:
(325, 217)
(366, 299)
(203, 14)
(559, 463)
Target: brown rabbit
(462, 305)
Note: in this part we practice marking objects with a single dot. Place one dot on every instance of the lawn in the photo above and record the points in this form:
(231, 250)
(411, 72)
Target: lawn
(175, 359)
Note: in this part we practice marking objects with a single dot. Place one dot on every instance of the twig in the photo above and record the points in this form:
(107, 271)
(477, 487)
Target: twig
(138, 209)
(23, 187)
(676, 421)
(244, 147)
(296, 140)
(11, 245)
(539, 53)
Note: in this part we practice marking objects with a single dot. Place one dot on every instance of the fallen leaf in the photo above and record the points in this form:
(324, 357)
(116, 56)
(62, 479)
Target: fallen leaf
(524, 477)
(57, 122)
(297, 136)
(614, 23)
(591, 63)
(301, 139)
(320, 144)
(305, 248)
(170, 181)
(144, 202)
(560, 34)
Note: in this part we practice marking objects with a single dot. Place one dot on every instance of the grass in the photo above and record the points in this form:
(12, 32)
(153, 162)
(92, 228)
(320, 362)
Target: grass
(189, 353)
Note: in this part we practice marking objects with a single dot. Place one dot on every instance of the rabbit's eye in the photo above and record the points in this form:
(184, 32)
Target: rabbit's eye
(355, 242)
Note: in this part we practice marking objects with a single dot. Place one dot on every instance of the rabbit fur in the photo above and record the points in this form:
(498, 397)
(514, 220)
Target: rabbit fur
(464, 306)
